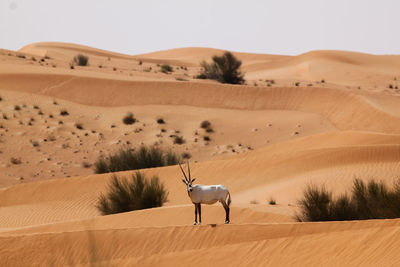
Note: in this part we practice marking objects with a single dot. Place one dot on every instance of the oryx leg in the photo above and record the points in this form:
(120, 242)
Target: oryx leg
(199, 211)
(195, 214)
(226, 207)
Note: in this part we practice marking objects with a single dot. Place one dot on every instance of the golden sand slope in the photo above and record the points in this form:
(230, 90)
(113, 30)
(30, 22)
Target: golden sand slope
(271, 138)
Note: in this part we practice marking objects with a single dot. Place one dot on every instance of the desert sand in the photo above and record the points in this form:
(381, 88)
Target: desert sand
(323, 117)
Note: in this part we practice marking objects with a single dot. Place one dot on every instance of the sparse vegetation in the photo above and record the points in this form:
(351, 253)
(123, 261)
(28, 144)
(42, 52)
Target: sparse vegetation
(186, 155)
(17, 107)
(135, 194)
(272, 201)
(15, 161)
(206, 138)
(81, 60)
(181, 79)
(160, 121)
(224, 69)
(165, 68)
(129, 118)
(64, 112)
(372, 200)
(178, 140)
(205, 124)
(35, 143)
(129, 159)
(79, 126)
(86, 165)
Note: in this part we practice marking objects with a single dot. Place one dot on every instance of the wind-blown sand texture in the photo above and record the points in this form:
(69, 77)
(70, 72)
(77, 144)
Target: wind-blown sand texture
(323, 117)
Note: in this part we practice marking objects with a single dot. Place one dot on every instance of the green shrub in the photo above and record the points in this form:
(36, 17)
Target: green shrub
(129, 118)
(224, 69)
(373, 200)
(165, 68)
(128, 159)
(127, 195)
(205, 124)
(178, 140)
(81, 60)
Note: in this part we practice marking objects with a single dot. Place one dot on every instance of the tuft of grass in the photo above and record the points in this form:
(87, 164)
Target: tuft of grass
(86, 165)
(128, 159)
(272, 201)
(160, 121)
(64, 112)
(79, 126)
(81, 60)
(129, 118)
(135, 194)
(178, 140)
(205, 124)
(186, 155)
(165, 68)
(372, 200)
(17, 107)
(15, 161)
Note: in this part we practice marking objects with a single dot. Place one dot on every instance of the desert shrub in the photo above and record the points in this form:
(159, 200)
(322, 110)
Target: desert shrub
(205, 124)
(272, 201)
(206, 138)
(15, 161)
(64, 112)
(373, 200)
(129, 159)
(81, 60)
(178, 140)
(135, 194)
(79, 126)
(17, 107)
(129, 118)
(165, 68)
(224, 69)
(186, 155)
(160, 121)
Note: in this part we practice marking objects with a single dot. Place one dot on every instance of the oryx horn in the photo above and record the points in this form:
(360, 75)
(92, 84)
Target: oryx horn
(183, 172)
(190, 178)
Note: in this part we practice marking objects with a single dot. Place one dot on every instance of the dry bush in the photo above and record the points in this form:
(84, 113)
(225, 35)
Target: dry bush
(135, 194)
(373, 200)
(129, 118)
(129, 159)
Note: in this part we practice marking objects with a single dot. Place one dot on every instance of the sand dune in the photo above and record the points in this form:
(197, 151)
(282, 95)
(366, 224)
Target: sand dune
(270, 139)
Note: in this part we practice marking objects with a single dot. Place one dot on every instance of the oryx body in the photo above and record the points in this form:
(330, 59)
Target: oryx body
(206, 194)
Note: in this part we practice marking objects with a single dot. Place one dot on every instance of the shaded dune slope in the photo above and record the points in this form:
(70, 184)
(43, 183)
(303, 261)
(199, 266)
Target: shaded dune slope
(350, 243)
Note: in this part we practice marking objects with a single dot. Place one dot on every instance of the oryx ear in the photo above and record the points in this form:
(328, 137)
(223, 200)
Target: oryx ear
(193, 179)
(183, 181)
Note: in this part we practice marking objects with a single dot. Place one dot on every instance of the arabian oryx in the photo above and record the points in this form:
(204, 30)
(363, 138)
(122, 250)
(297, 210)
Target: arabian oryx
(206, 194)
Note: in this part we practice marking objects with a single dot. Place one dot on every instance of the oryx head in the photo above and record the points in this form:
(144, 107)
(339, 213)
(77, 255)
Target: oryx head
(187, 182)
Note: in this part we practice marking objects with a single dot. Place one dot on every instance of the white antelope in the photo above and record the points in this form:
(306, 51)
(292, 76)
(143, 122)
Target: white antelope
(206, 194)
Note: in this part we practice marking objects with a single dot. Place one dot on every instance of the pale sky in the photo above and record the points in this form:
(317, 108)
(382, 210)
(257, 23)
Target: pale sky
(271, 26)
